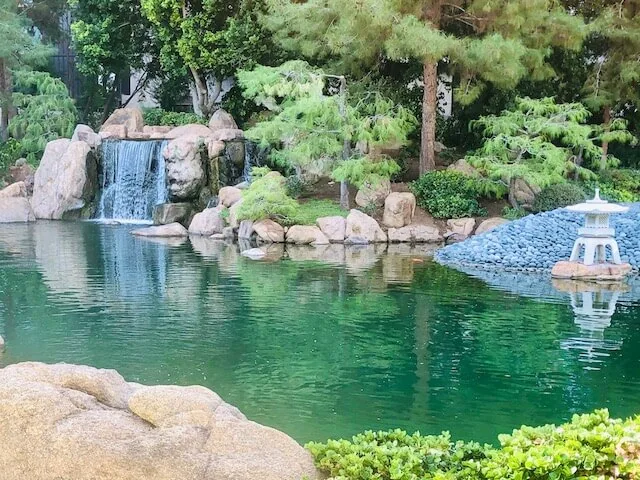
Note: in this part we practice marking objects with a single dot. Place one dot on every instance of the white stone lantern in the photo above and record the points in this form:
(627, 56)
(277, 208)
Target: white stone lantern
(596, 235)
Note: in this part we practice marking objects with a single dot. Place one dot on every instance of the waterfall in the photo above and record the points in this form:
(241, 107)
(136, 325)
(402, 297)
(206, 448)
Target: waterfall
(254, 156)
(133, 179)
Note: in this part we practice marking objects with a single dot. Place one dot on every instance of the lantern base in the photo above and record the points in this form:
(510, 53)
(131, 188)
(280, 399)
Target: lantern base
(598, 272)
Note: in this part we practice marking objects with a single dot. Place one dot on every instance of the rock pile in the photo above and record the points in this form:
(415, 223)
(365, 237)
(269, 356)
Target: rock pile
(537, 242)
(70, 421)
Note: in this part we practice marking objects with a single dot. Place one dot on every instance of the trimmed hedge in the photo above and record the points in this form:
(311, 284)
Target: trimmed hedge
(591, 446)
(448, 194)
(558, 196)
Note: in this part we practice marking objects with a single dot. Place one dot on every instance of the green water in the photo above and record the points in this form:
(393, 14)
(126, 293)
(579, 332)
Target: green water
(372, 340)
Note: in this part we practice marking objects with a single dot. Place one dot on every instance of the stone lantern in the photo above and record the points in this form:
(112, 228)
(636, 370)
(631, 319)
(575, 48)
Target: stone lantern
(594, 239)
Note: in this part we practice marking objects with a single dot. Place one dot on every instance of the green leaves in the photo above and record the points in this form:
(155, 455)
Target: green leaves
(45, 112)
(590, 446)
(448, 194)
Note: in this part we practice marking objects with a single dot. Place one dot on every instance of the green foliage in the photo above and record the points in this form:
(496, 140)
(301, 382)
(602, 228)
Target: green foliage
(558, 196)
(618, 185)
(267, 197)
(541, 142)
(10, 151)
(309, 126)
(296, 186)
(590, 446)
(448, 194)
(45, 112)
(309, 211)
(158, 116)
(511, 213)
(361, 170)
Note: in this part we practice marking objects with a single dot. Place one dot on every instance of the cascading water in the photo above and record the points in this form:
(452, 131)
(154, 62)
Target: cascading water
(254, 156)
(133, 179)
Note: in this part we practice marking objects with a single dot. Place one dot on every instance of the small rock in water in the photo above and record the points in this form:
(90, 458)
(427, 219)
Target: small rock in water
(1, 343)
(254, 253)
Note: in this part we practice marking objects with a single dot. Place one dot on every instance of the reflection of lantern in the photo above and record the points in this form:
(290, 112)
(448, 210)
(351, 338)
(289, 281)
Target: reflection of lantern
(596, 235)
(593, 306)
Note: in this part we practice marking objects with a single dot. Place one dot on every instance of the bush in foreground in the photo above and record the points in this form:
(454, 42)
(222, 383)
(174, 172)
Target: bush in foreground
(591, 446)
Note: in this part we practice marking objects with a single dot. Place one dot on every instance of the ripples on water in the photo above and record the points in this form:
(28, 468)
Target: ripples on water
(369, 340)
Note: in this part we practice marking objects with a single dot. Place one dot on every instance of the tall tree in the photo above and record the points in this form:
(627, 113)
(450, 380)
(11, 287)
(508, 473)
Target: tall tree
(111, 37)
(496, 41)
(17, 48)
(612, 53)
(211, 39)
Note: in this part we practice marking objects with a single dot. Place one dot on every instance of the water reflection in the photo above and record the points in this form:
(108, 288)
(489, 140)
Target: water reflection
(593, 305)
(319, 342)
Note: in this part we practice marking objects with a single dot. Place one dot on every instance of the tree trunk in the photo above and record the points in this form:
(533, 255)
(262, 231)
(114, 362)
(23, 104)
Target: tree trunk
(6, 89)
(605, 145)
(429, 109)
(512, 193)
(346, 145)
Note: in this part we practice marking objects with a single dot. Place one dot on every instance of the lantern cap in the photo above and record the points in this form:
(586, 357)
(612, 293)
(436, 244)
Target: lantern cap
(597, 206)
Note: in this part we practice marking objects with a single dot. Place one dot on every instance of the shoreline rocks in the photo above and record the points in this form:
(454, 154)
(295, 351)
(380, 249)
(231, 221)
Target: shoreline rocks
(72, 421)
(170, 230)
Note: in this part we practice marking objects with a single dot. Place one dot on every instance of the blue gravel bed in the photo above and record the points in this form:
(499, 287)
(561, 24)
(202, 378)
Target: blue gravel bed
(536, 242)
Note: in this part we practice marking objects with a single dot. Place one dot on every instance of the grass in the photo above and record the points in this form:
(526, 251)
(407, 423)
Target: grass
(311, 210)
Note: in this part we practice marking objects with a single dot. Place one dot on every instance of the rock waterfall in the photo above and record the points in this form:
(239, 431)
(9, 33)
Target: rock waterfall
(133, 179)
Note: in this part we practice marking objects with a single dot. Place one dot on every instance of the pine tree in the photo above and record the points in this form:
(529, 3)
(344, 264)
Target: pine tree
(314, 124)
(614, 80)
(17, 49)
(496, 41)
(542, 143)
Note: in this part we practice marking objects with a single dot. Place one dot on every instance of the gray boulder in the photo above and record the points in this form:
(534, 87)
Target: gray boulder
(15, 209)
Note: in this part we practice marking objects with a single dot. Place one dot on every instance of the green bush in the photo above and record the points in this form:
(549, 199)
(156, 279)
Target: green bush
(157, 116)
(267, 197)
(448, 194)
(296, 186)
(620, 185)
(511, 213)
(10, 151)
(591, 446)
(558, 196)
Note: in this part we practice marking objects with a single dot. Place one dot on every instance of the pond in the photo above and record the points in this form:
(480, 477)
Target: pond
(318, 349)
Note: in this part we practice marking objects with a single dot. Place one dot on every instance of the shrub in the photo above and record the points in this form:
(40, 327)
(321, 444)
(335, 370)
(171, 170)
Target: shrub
(296, 186)
(448, 194)
(511, 213)
(157, 116)
(267, 197)
(10, 151)
(558, 196)
(590, 446)
(621, 185)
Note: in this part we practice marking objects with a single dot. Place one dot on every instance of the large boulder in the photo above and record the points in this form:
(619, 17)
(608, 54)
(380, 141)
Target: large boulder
(489, 224)
(221, 119)
(21, 171)
(156, 132)
(461, 226)
(415, 234)
(306, 235)
(85, 133)
(81, 423)
(167, 213)
(361, 228)
(399, 208)
(373, 193)
(269, 231)
(227, 135)
(524, 193)
(18, 189)
(233, 220)
(207, 222)
(191, 129)
(245, 230)
(66, 181)
(463, 166)
(228, 196)
(15, 209)
(184, 166)
(333, 227)
(170, 230)
(130, 118)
